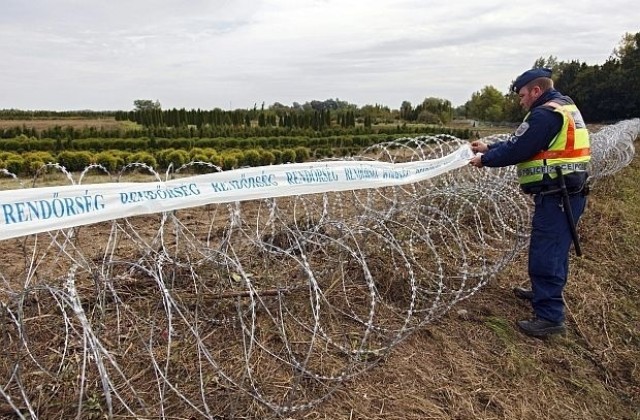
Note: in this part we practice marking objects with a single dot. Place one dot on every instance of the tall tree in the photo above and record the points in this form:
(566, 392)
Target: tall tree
(441, 108)
(629, 53)
(511, 109)
(550, 62)
(487, 104)
(627, 45)
(146, 105)
(406, 111)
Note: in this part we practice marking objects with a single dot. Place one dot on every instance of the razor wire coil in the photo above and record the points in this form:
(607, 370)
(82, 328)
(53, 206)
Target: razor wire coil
(262, 305)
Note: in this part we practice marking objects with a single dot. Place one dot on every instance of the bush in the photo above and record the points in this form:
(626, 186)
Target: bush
(177, 158)
(13, 164)
(121, 156)
(250, 158)
(108, 160)
(229, 161)
(196, 151)
(267, 158)
(36, 160)
(288, 156)
(144, 157)
(427, 117)
(216, 159)
(12, 145)
(161, 157)
(323, 152)
(167, 157)
(125, 157)
(302, 154)
(75, 161)
(277, 156)
(199, 157)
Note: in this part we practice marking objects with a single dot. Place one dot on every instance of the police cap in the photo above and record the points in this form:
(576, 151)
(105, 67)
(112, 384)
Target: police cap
(528, 76)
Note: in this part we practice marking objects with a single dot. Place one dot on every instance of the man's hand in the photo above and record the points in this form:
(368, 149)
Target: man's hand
(476, 161)
(478, 147)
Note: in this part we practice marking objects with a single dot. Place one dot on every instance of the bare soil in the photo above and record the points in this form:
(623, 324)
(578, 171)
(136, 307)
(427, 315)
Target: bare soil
(77, 123)
(472, 363)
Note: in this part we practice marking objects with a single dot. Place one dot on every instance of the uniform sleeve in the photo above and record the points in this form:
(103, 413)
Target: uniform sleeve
(541, 127)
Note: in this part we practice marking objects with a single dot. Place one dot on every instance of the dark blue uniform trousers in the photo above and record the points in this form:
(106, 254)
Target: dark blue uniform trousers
(549, 253)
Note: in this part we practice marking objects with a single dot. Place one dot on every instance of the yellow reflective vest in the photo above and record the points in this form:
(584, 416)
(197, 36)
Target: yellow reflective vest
(569, 149)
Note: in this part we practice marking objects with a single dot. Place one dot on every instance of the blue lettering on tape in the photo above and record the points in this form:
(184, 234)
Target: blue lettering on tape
(311, 176)
(361, 173)
(160, 193)
(26, 211)
(395, 174)
(245, 182)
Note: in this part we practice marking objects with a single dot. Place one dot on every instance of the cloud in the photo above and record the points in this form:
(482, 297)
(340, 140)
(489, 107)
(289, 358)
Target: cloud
(199, 53)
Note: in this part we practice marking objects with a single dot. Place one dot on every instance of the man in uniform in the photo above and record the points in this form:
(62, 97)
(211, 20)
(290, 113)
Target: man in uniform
(553, 135)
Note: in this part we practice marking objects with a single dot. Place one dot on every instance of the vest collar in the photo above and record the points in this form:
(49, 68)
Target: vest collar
(547, 96)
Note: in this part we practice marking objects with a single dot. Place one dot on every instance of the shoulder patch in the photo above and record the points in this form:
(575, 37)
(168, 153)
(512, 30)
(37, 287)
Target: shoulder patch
(522, 128)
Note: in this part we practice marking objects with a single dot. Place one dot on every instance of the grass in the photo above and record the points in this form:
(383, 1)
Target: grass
(502, 328)
(478, 366)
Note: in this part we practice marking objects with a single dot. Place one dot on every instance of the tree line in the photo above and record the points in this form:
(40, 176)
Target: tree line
(317, 120)
(604, 93)
(63, 134)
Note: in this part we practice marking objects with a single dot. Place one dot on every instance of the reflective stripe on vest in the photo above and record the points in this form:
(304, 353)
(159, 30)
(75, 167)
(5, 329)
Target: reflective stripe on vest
(566, 168)
(569, 149)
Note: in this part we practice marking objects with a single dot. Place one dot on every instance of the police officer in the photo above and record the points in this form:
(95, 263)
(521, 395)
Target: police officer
(553, 134)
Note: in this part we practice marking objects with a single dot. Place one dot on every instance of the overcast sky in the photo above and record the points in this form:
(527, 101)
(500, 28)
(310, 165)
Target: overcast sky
(103, 55)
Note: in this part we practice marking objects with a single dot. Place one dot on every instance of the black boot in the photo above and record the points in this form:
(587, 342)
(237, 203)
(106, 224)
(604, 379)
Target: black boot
(522, 293)
(541, 328)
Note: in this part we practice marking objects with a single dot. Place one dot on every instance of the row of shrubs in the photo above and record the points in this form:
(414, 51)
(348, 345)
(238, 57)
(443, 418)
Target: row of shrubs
(23, 143)
(112, 160)
(70, 133)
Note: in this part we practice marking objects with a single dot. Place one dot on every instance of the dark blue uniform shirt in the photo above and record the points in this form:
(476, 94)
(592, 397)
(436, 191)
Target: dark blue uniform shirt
(543, 125)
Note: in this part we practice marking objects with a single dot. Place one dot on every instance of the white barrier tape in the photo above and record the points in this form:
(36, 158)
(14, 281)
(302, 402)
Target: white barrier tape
(33, 210)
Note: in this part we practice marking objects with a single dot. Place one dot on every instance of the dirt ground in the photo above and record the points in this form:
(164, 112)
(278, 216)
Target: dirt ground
(43, 124)
(474, 364)
(471, 363)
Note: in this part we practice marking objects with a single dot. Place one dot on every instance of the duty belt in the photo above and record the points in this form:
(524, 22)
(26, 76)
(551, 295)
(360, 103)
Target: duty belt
(548, 169)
